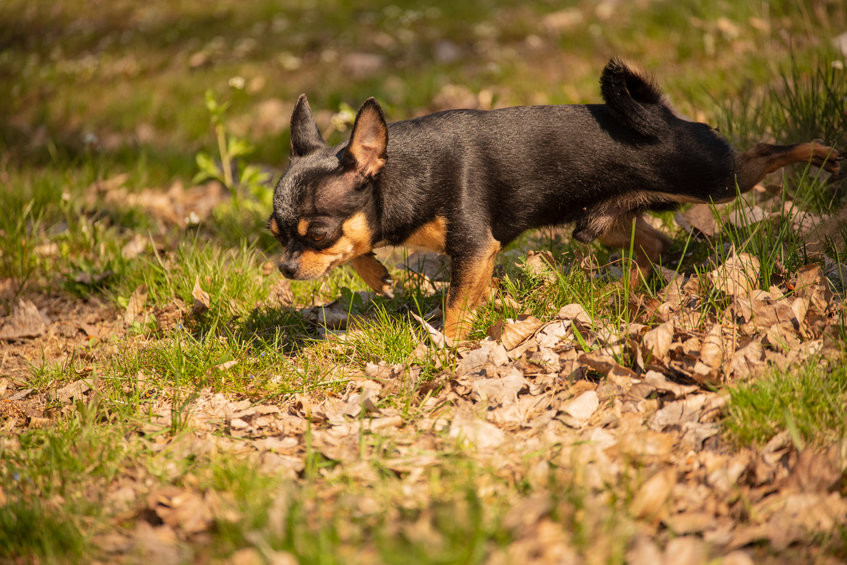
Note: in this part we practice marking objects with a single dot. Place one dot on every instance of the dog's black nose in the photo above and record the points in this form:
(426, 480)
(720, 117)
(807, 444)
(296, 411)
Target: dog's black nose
(288, 269)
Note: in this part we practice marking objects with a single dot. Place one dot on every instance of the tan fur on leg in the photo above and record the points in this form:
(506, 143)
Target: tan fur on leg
(765, 158)
(468, 287)
(373, 273)
(649, 242)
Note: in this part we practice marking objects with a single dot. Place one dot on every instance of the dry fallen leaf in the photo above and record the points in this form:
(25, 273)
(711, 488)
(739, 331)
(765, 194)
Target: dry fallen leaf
(599, 361)
(815, 471)
(469, 428)
(643, 551)
(439, 340)
(515, 334)
(136, 304)
(473, 360)
(675, 414)
(813, 285)
(646, 445)
(712, 349)
(202, 301)
(662, 384)
(334, 316)
(134, 247)
(737, 558)
(541, 264)
(657, 341)
(736, 276)
(24, 321)
(180, 508)
(747, 215)
(156, 544)
(686, 550)
(72, 391)
(649, 501)
(689, 522)
(501, 391)
(577, 411)
(747, 360)
(699, 217)
(527, 513)
(576, 313)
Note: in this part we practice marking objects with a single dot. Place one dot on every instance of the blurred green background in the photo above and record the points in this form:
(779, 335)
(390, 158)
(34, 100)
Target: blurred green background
(123, 81)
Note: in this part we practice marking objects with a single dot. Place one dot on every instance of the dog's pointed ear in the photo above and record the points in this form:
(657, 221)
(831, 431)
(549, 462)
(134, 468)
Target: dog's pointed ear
(305, 135)
(367, 148)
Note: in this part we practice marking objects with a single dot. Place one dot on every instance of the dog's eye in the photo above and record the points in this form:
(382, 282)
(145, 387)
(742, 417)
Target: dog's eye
(316, 234)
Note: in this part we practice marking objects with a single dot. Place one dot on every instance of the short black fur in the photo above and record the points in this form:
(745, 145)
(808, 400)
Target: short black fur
(487, 176)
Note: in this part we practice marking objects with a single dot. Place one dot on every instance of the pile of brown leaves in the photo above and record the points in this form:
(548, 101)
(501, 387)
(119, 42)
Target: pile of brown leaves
(624, 414)
(530, 406)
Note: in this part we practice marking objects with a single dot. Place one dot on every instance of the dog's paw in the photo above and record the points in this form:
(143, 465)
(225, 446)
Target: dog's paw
(374, 274)
(387, 287)
(826, 157)
(833, 165)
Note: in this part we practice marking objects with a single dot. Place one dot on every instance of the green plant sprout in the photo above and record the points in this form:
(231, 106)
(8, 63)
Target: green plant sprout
(249, 180)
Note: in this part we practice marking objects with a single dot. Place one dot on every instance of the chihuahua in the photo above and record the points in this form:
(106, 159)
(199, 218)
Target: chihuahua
(468, 182)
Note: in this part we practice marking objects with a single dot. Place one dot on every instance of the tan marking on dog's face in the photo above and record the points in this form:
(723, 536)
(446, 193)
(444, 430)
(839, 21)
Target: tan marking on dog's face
(432, 235)
(303, 227)
(273, 225)
(355, 240)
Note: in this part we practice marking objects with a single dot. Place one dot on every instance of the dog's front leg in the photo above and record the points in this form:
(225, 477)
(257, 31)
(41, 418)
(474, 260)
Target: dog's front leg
(470, 281)
(374, 274)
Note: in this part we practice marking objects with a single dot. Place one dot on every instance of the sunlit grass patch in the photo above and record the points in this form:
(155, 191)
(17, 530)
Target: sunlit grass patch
(232, 277)
(225, 361)
(384, 336)
(52, 459)
(405, 492)
(540, 287)
(807, 401)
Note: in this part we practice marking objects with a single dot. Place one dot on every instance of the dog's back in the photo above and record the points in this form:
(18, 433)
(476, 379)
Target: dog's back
(530, 166)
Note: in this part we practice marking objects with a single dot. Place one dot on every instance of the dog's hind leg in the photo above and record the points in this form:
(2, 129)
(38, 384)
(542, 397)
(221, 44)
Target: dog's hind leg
(648, 243)
(764, 158)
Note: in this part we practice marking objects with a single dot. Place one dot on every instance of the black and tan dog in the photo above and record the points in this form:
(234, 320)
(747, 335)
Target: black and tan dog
(467, 182)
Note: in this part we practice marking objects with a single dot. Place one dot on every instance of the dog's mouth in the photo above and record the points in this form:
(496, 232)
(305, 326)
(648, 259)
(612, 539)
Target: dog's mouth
(311, 264)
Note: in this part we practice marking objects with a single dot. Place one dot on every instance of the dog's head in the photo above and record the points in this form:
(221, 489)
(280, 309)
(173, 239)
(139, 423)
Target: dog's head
(323, 208)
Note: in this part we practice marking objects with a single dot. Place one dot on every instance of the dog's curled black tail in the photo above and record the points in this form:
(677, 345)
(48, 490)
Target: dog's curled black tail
(633, 99)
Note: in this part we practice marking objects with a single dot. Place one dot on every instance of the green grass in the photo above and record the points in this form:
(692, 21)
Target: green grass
(30, 531)
(54, 481)
(252, 501)
(808, 402)
(760, 71)
(148, 55)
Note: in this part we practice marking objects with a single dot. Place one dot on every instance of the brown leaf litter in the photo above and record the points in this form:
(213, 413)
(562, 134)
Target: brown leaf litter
(626, 416)
(47, 328)
(176, 206)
